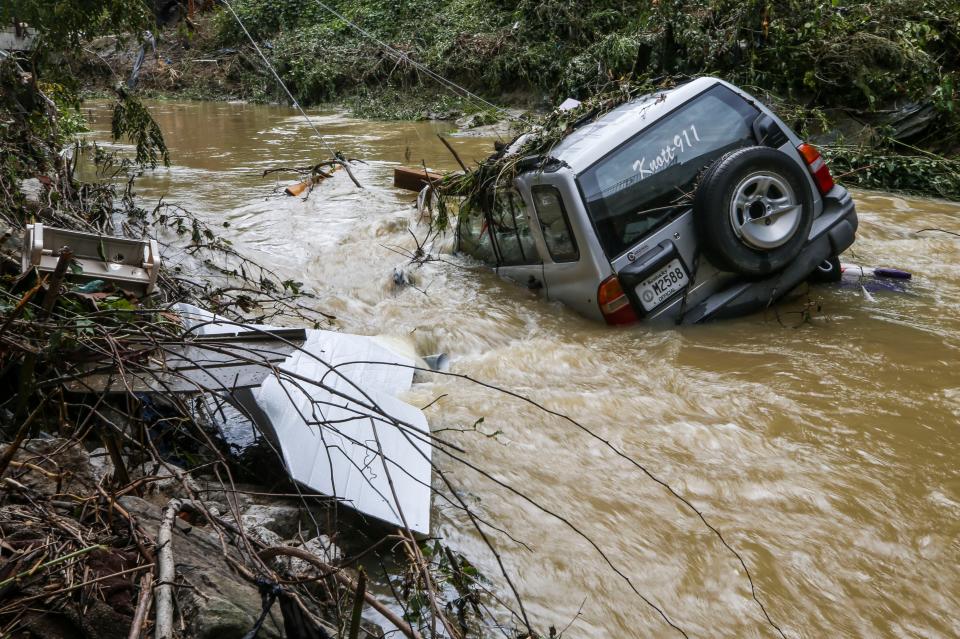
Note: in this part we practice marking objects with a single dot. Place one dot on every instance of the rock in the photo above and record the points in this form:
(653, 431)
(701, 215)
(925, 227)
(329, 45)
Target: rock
(212, 600)
(475, 120)
(264, 535)
(169, 485)
(100, 621)
(219, 617)
(324, 548)
(281, 519)
(218, 603)
(400, 277)
(218, 509)
(321, 546)
(101, 466)
(215, 492)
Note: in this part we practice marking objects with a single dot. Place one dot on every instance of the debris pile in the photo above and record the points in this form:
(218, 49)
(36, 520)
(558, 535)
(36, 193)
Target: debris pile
(121, 513)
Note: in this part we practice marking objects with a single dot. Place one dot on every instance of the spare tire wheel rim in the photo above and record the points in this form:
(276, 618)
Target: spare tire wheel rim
(765, 211)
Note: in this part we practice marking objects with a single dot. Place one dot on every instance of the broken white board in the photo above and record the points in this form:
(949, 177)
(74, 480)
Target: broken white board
(340, 427)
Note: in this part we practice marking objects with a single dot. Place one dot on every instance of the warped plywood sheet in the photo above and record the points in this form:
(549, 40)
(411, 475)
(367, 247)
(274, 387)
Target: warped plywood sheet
(339, 424)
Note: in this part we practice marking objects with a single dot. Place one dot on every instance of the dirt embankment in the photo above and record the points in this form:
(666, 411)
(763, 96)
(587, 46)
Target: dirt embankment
(186, 63)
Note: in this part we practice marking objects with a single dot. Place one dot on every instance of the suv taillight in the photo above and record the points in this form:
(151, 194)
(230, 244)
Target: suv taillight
(614, 304)
(818, 168)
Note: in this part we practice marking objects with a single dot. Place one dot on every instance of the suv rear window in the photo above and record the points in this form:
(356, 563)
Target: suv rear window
(646, 181)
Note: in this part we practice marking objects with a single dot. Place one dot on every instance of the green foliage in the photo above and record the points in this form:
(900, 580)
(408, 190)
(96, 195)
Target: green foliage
(916, 172)
(29, 136)
(39, 108)
(65, 23)
(457, 581)
(393, 104)
(265, 18)
(39, 111)
(132, 120)
(318, 64)
(70, 120)
(823, 53)
(809, 60)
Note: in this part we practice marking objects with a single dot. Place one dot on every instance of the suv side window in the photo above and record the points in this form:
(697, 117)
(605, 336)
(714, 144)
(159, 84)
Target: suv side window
(555, 225)
(474, 234)
(647, 181)
(511, 228)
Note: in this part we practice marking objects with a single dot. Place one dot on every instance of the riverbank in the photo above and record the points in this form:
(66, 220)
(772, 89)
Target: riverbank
(886, 111)
(781, 427)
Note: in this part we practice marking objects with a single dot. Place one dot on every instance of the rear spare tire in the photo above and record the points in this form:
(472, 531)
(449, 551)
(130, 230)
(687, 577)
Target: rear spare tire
(753, 211)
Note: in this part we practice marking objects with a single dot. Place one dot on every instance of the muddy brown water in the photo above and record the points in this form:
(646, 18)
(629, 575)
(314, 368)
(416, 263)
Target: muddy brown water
(826, 451)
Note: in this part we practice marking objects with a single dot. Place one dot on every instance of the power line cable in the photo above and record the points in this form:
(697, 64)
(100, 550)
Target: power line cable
(323, 139)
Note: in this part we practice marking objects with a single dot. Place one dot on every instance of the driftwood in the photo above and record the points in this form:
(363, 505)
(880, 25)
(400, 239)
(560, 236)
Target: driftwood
(315, 174)
(143, 607)
(163, 592)
(456, 156)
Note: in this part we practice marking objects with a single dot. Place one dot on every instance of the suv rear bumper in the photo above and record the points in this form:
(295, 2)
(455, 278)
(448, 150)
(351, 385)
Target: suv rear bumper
(832, 233)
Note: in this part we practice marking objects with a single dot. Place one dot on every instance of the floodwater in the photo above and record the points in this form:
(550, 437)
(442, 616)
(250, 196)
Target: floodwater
(825, 451)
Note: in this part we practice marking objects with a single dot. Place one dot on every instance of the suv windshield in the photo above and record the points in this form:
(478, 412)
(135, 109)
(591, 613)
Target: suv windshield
(646, 181)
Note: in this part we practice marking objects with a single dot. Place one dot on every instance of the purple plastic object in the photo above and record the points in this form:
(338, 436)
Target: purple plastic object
(893, 273)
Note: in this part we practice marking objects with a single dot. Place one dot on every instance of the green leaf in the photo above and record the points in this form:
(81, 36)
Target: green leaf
(119, 304)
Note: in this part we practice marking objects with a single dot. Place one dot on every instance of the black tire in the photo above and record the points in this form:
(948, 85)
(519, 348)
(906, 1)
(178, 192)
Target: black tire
(827, 272)
(769, 225)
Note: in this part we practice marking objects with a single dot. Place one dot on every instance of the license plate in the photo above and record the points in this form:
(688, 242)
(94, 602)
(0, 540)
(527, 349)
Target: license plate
(662, 285)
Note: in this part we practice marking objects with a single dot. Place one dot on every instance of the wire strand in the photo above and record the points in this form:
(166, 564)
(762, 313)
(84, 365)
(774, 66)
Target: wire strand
(282, 84)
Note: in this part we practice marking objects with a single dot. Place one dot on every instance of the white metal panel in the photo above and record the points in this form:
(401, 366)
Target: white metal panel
(331, 442)
(330, 439)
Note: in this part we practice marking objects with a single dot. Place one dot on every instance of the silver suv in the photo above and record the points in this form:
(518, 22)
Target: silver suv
(684, 205)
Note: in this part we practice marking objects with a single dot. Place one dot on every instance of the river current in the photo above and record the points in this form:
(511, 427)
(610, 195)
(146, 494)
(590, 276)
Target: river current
(821, 438)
